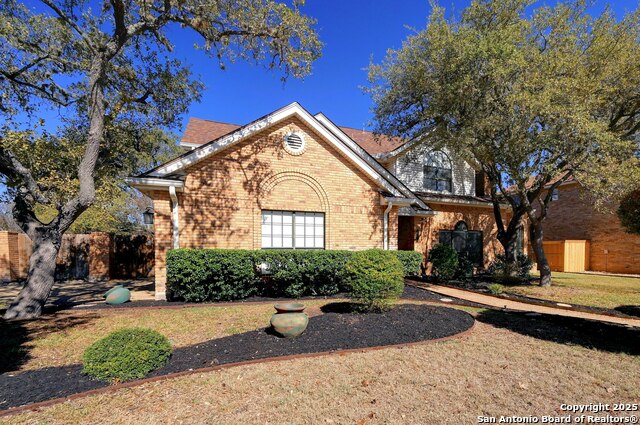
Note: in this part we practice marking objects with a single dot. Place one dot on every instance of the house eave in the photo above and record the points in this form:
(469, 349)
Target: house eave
(294, 109)
(463, 202)
(151, 183)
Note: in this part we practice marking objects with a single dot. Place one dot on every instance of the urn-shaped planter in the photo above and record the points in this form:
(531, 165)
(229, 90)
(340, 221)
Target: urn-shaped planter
(289, 321)
(117, 295)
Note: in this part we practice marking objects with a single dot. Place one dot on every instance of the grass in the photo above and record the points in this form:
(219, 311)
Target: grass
(60, 339)
(586, 289)
(509, 365)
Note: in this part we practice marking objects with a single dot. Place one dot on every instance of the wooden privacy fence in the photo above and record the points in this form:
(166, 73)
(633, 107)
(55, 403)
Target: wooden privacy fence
(567, 255)
(94, 256)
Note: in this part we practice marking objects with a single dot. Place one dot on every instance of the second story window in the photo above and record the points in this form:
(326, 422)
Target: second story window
(437, 172)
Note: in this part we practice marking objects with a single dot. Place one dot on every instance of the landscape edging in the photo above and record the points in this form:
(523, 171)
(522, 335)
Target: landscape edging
(138, 382)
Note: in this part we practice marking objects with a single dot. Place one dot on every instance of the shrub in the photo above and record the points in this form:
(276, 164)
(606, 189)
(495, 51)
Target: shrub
(444, 260)
(508, 272)
(374, 278)
(198, 275)
(465, 267)
(495, 288)
(296, 273)
(411, 261)
(126, 354)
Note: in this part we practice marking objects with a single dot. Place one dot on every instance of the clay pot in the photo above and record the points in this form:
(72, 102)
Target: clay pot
(118, 295)
(289, 321)
(289, 308)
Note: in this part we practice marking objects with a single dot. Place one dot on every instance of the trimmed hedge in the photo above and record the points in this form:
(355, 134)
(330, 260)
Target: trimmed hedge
(411, 261)
(126, 354)
(198, 275)
(374, 278)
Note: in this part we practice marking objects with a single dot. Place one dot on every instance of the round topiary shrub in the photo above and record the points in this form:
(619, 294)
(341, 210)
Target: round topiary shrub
(374, 278)
(126, 354)
(444, 262)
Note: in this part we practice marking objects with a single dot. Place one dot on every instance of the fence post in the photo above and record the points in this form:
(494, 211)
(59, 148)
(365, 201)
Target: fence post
(99, 256)
(5, 257)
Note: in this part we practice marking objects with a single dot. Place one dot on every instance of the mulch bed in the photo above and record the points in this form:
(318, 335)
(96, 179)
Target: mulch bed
(333, 330)
(477, 287)
(410, 293)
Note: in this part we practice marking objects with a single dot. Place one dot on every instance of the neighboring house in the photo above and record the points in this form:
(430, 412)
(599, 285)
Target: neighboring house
(295, 180)
(572, 216)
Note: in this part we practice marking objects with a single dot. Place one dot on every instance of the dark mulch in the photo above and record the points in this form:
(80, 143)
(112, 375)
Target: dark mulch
(410, 293)
(479, 285)
(328, 332)
(154, 303)
(618, 312)
(567, 330)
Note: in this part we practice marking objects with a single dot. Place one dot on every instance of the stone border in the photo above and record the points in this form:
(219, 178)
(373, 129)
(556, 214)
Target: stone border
(130, 384)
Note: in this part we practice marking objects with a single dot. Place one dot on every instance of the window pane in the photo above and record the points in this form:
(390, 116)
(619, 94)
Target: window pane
(266, 229)
(430, 172)
(288, 229)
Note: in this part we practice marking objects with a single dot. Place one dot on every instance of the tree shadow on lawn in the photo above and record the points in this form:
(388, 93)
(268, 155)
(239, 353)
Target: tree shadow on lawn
(630, 310)
(327, 332)
(567, 330)
(15, 336)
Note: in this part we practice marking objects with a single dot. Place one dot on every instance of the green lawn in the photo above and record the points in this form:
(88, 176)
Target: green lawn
(586, 289)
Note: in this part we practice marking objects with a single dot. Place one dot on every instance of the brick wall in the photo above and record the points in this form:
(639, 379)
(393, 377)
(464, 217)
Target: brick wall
(224, 195)
(477, 218)
(572, 216)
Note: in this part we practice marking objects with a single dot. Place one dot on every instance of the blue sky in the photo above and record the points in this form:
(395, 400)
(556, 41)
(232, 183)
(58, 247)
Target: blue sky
(354, 32)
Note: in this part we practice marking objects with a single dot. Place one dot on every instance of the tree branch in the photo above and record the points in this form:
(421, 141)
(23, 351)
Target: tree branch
(11, 167)
(71, 23)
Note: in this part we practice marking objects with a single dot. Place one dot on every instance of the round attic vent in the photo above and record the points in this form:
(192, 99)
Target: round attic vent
(294, 143)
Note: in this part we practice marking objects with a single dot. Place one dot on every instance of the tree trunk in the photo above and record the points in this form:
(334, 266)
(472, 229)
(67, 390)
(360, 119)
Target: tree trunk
(541, 257)
(509, 241)
(42, 266)
(46, 239)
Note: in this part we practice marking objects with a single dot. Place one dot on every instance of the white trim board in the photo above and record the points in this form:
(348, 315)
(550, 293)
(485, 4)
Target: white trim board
(362, 152)
(370, 167)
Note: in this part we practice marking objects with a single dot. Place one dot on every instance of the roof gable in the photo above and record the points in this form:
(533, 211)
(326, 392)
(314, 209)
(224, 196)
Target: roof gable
(200, 131)
(345, 146)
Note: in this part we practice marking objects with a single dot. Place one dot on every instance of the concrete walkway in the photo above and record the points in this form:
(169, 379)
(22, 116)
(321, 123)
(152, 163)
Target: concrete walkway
(496, 302)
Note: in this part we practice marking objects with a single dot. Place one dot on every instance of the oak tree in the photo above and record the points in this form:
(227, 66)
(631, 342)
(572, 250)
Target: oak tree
(111, 71)
(533, 97)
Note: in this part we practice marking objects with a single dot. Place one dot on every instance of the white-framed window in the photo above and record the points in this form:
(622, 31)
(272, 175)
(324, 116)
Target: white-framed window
(555, 195)
(437, 172)
(292, 230)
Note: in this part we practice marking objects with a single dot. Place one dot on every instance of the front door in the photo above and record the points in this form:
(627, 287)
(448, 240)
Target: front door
(406, 233)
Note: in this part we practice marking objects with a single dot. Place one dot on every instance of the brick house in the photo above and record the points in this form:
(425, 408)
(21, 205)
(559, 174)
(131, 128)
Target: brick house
(572, 216)
(295, 180)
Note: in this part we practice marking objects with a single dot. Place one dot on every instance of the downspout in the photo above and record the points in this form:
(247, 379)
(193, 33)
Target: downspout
(385, 243)
(174, 217)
